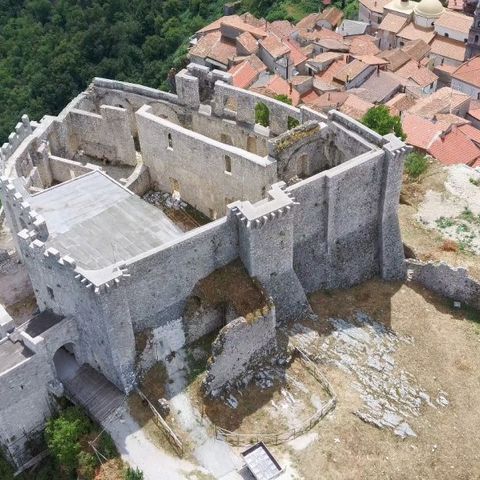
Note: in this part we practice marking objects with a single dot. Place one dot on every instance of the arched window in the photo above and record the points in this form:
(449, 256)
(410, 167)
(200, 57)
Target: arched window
(476, 38)
(228, 164)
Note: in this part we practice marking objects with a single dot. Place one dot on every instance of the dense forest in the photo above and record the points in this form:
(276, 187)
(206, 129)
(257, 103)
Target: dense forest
(51, 49)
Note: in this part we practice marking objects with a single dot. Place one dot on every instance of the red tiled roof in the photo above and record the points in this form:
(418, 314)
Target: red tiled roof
(395, 57)
(329, 100)
(355, 107)
(399, 103)
(350, 71)
(296, 55)
(274, 46)
(455, 147)
(375, 5)
(455, 5)
(421, 132)
(469, 72)
(443, 100)
(279, 86)
(416, 49)
(281, 28)
(243, 74)
(328, 74)
(455, 21)
(240, 24)
(248, 42)
(214, 46)
(471, 132)
(392, 23)
(363, 45)
(422, 76)
(332, 15)
(308, 22)
(412, 32)
(449, 48)
(475, 113)
(310, 97)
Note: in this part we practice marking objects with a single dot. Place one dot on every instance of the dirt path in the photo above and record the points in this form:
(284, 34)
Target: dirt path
(214, 456)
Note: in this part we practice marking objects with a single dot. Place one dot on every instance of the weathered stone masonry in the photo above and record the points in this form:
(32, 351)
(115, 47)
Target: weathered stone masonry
(306, 209)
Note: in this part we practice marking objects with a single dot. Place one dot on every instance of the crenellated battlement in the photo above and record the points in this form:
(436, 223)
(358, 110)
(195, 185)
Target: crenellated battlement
(22, 130)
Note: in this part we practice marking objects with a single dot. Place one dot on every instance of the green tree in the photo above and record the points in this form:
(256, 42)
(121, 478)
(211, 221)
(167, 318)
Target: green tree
(133, 474)
(63, 435)
(379, 119)
(415, 164)
(87, 465)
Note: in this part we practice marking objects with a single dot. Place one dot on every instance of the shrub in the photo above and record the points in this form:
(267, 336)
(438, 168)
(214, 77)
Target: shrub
(106, 446)
(450, 246)
(262, 114)
(63, 434)
(6, 471)
(87, 465)
(133, 474)
(379, 119)
(415, 164)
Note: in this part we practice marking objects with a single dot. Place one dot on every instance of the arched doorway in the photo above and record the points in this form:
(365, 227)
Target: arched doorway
(66, 364)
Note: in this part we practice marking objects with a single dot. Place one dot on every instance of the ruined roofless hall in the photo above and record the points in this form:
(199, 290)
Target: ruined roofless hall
(313, 207)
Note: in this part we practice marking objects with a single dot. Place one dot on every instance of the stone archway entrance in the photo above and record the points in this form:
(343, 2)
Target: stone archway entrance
(66, 364)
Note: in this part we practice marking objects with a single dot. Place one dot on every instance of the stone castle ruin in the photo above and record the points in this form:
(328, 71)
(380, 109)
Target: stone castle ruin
(292, 211)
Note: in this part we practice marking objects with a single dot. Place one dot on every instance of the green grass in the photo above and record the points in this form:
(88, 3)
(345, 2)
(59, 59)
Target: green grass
(416, 164)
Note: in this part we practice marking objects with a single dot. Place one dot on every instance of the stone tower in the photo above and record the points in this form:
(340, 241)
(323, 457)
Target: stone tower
(473, 43)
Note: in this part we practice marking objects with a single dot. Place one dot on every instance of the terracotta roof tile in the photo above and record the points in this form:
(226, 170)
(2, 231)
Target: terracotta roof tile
(422, 76)
(281, 28)
(332, 15)
(214, 46)
(450, 119)
(416, 49)
(329, 100)
(469, 72)
(455, 147)
(372, 60)
(296, 55)
(355, 107)
(379, 86)
(350, 71)
(248, 42)
(455, 5)
(375, 5)
(475, 113)
(308, 22)
(455, 21)
(449, 48)
(399, 103)
(420, 132)
(443, 100)
(471, 132)
(412, 32)
(243, 75)
(392, 23)
(279, 86)
(364, 45)
(274, 46)
(239, 24)
(396, 58)
(328, 74)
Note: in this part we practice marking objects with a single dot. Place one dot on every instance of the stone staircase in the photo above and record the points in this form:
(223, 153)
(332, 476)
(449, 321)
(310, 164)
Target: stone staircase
(92, 391)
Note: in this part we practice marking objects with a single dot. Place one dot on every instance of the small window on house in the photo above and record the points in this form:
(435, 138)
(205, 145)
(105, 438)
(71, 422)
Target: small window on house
(476, 38)
(170, 141)
(50, 293)
(402, 44)
(446, 34)
(228, 164)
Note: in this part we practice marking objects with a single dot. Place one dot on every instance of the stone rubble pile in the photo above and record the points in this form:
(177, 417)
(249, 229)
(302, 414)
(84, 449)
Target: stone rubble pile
(364, 349)
(164, 199)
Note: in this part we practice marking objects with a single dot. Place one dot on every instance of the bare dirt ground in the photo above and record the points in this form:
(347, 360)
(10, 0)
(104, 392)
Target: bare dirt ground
(443, 357)
(439, 225)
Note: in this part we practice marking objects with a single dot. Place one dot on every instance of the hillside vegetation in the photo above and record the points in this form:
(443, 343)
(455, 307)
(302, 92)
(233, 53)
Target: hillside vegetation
(50, 50)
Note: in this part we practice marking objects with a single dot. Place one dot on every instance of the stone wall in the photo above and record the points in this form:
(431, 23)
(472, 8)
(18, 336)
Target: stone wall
(208, 174)
(239, 345)
(106, 136)
(450, 282)
(25, 405)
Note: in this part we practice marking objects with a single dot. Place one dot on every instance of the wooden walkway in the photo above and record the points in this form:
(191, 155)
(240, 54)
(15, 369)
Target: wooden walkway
(92, 391)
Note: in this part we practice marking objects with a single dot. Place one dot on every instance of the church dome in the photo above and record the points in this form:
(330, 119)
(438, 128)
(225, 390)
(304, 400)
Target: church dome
(429, 8)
